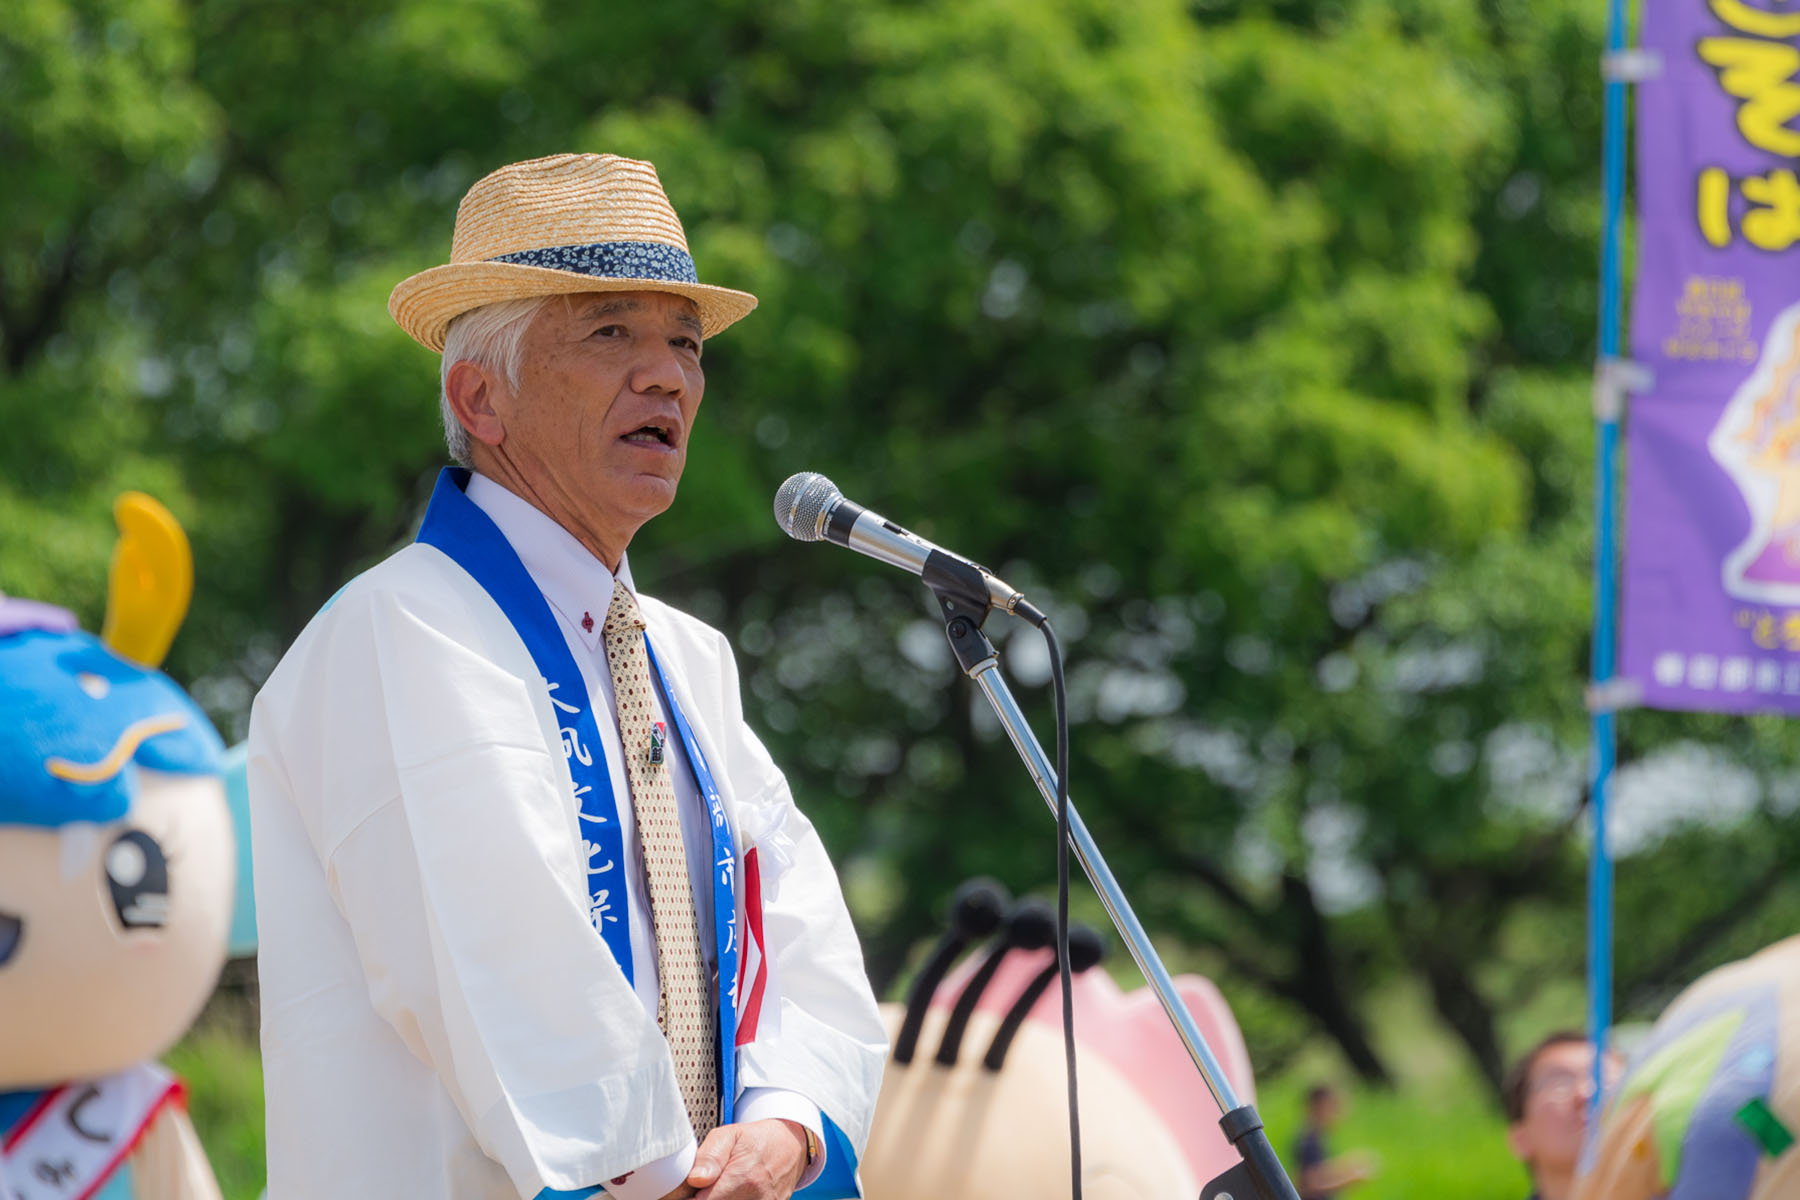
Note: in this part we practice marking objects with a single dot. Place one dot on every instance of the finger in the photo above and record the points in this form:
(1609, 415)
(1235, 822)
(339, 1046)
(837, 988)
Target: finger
(750, 1173)
(731, 1185)
(712, 1156)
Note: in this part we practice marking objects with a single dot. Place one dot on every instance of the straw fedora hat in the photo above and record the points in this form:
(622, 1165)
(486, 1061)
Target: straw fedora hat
(552, 226)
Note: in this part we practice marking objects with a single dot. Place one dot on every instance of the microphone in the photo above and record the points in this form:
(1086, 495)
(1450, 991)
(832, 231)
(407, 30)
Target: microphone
(810, 508)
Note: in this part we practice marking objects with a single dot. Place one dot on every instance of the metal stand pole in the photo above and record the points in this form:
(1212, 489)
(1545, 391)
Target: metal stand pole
(1260, 1174)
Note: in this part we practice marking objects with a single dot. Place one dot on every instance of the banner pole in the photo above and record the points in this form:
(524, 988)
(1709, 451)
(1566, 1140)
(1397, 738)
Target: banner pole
(1605, 637)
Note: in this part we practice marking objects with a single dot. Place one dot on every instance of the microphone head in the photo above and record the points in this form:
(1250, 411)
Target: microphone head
(801, 504)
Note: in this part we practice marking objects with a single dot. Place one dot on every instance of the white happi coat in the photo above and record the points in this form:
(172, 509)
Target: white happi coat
(439, 1017)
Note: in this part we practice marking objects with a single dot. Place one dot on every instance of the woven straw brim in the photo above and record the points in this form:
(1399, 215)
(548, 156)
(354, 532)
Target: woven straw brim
(426, 303)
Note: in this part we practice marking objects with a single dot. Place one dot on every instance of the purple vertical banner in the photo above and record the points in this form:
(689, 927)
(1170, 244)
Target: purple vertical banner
(1711, 609)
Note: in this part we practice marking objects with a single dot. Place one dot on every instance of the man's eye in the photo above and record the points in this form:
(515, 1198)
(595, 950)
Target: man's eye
(688, 343)
(610, 331)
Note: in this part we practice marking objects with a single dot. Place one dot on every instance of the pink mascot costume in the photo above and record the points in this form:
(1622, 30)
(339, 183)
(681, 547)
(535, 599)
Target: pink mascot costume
(975, 1104)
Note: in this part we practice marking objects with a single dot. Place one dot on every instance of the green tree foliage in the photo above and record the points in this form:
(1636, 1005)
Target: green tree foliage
(1253, 335)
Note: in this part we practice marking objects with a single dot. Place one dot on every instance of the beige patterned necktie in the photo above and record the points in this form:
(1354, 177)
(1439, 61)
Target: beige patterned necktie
(685, 1008)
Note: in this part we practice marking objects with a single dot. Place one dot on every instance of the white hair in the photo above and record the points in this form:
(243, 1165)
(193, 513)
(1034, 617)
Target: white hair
(491, 336)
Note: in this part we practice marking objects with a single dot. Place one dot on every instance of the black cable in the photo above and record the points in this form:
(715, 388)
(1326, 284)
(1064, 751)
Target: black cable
(1062, 898)
(1086, 949)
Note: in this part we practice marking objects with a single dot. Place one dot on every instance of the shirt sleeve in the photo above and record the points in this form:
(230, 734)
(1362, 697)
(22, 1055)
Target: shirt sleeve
(779, 1104)
(654, 1180)
(447, 831)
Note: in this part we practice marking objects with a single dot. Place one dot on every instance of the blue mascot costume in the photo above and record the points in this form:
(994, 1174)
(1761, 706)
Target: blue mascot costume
(117, 865)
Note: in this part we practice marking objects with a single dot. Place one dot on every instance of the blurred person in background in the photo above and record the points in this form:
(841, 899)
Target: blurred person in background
(1548, 1094)
(1323, 1176)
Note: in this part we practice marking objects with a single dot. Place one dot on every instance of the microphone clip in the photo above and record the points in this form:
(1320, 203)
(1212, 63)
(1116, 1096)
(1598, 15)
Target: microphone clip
(962, 594)
(960, 586)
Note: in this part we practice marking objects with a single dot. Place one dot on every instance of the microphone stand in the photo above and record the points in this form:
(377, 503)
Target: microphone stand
(962, 593)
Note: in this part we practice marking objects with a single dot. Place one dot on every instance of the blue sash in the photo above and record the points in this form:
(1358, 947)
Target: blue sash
(457, 526)
(724, 894)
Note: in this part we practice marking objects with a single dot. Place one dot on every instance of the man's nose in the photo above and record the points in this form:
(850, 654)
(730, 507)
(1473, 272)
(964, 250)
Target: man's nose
(658, 369)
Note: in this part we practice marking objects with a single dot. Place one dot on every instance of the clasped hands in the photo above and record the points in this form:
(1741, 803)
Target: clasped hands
(762, 1160)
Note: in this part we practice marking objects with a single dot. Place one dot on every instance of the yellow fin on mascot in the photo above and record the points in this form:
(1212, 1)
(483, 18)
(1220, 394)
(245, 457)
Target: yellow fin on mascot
(116, 884)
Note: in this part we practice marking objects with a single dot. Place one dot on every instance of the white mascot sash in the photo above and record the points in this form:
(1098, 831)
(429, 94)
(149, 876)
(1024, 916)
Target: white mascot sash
(69, 1143)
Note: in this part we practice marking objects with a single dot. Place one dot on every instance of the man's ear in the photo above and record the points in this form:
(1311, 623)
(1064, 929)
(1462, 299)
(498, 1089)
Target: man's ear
(1519, 1142)
(471, 390)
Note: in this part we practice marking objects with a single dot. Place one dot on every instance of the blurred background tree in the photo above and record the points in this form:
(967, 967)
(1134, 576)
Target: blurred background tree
(1252, 335)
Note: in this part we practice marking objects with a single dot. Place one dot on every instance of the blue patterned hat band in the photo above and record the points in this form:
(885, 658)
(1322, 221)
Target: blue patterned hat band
(563, 224)
(612, 260)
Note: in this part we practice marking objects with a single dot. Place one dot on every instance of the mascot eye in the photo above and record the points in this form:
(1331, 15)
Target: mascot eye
(138, 874)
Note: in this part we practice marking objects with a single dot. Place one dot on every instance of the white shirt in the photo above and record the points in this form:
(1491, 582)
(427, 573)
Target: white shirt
(578, 585)
(438, 1016)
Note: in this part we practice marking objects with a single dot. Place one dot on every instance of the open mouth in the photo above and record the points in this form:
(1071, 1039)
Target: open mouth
(12, 932)
(651, 435)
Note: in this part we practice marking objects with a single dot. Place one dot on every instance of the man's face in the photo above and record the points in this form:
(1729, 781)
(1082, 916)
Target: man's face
(609, 385)
(1549, 1134)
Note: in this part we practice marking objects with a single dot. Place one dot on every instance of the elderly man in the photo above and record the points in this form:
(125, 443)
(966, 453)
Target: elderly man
(538, 914)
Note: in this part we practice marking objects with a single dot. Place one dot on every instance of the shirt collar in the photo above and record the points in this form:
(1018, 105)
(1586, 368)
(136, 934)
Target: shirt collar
(576, 584)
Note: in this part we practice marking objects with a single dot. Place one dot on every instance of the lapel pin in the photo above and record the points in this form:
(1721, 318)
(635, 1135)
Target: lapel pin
(657, 736)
